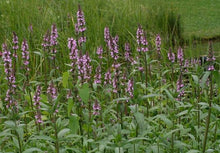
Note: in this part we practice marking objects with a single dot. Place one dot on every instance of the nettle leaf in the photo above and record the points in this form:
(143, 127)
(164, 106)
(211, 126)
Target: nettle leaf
(216, 76)
(204, 79)
(65, 79)
(31, 150)
(192, 151)
(74, 124)
(63, 132)
(150, 96)
(169, 95)
(70, 106)
(119, 150)
(167, 121)
(10, 124)
(84, 92)
(196, 79)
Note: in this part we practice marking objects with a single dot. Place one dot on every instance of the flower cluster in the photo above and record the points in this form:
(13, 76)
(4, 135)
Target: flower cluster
(46, 41)
(106, 35)
(84, 67)
(180, 56)
(10, 76)
(15, 46)
(80, 26)
(141, 40)
(113, 47)
(211, 58)
(25, 54)
(179, 88)
(37, 105)
(108, 78)
(158, 44)
(98, 75)
(52, 91)
(171, 56)
(53, 40)
(130, 88)
(72, 45)
(99, 52)
(96, 108)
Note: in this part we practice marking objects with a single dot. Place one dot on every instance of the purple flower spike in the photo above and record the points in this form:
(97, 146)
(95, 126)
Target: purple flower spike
(107, 78)
(80, 27)
(158, 44)
(37, 105)
(130, 88)
(96, 108)
(53, 40)
(141, 40)
(171, 56)
(52, 91)
(72, 45)
(99, 52)
(15, 44)
(106, 34)
(25, 54)
(10, 77)
(180, 56)
(98, 75)
(211, 58)
(46, 41)
(179, 88)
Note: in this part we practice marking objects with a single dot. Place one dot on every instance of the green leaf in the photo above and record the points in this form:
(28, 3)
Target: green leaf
(31, 150)
(192, 151)
(65, 79)
(20, 132)
(42, 137)
(150, 95)
(74, 124)
(167, 121)
(84, 92)
(169, 95)
(70, 106)
(63, 132)
(216, 76)
(10, 124)
(204, 79)
(119, 150)
(138, 138)
(196, 79)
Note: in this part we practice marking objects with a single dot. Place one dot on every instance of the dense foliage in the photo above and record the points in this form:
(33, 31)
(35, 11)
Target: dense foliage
(128, 97)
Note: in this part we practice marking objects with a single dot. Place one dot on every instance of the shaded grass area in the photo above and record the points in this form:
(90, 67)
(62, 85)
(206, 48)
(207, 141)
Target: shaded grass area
(200, 17)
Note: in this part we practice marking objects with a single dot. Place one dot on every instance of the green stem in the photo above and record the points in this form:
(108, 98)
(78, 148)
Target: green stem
(208, 117)
(56, 135)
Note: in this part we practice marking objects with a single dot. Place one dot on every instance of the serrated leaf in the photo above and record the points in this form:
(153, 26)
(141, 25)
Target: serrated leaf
(138, 138)
(10, 124)
(204, 79)
(182, 113)
(119, 150)
(31, 150)
(167, 121)
(84, 92)
(63, 132)
(196, 79)
(169, 95)
(150, 95)
(74, 124)
(43, 137)
(65, 79)
(192, 151)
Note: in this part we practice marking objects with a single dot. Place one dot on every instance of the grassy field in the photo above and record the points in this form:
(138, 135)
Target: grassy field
(199, 18)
